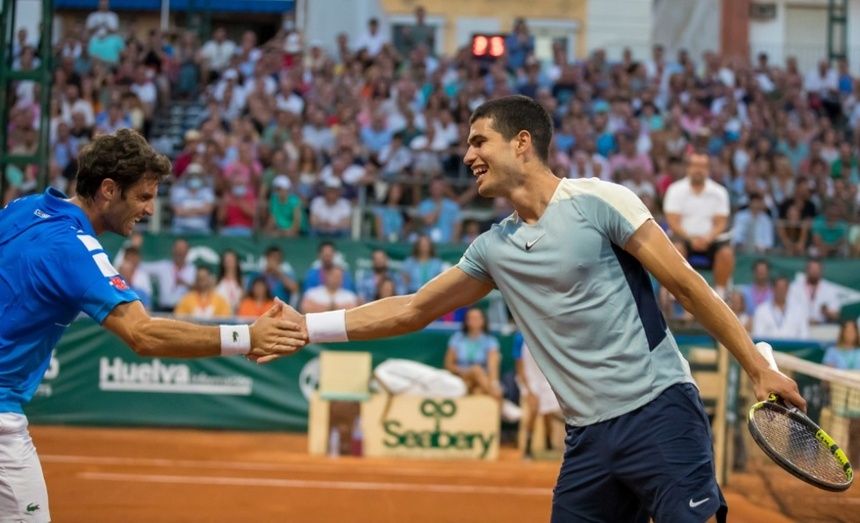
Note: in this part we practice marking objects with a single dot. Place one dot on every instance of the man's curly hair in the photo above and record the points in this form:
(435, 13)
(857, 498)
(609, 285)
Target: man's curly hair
(124, 156)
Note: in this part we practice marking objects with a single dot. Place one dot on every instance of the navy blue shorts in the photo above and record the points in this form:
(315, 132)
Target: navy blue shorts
(654, 462)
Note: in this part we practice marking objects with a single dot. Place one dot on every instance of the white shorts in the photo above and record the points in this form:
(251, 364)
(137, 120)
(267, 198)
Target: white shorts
(23, 495)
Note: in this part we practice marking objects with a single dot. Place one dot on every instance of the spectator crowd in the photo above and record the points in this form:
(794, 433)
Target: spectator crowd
(292, 140)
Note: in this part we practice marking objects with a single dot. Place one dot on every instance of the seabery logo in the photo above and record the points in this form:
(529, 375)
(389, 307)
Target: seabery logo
(436, 439)
(157, 376)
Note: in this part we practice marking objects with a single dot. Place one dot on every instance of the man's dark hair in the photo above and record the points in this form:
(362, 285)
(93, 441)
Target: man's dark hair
(272, 249)
(124, 156)
(325, 244)
(761, 261)
(512, 114)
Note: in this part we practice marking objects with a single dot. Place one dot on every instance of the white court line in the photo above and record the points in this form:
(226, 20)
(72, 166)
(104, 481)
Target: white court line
(250, 465)
(314, 484)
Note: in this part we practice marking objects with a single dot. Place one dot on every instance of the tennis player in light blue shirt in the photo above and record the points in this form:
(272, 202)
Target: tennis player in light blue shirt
(572, 262)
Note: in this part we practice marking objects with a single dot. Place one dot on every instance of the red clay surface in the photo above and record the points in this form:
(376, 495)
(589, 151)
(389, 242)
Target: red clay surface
(158, 476)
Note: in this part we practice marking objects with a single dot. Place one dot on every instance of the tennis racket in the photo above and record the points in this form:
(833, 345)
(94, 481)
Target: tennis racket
(795, 442)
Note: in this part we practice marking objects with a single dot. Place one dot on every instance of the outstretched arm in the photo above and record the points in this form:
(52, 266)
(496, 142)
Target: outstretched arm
(150, 336)
(650, 246)
(402, 314)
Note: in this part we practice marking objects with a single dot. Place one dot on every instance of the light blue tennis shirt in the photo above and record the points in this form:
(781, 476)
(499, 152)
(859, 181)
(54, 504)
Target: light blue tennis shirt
(51, 268)
(585, 305)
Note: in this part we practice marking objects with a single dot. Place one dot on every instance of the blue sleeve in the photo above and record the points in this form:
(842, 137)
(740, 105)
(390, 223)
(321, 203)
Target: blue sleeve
(832, 358)
(517, 346)
(613, 209)
(425, 208)
(473, 261)
(85, 278)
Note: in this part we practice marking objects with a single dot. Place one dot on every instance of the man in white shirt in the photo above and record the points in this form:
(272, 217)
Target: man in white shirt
(73, 103)
(175, 276)
(373, 40)
(217, 53)
(780, 318)
(818, 297)
(331, 215)
(329, 296)
(102, 21)
(697, 209)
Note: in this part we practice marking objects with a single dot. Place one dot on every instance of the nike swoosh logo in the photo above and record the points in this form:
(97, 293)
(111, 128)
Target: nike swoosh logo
(694, 504)
(531, 244)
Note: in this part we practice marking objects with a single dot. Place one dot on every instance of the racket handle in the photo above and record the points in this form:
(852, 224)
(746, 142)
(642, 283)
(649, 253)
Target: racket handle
(766, 351)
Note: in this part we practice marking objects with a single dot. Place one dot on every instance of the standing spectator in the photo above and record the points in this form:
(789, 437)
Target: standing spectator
(331, 214)
(473, 355)
(230, 282)
(697, 210)
(192, 200)
(368, 281)
(753, 229)
(536, 391)
(106, 45)
(373, 40)
(329, 296)
(216, 54)
(817, 296)
(780, 318)
(102, 21)
(202, 301)
(257, 301)
(440, 215)
(417, 35)
(285, 209)
(520, 44)
(174, 276)
(423, 265)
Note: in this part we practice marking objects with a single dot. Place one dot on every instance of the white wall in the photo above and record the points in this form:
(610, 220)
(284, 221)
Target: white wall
(28, 15)
(693, 25)
(325, 19)
(616, 24)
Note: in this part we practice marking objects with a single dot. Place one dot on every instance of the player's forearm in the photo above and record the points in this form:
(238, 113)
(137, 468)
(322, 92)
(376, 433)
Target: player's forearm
(719, 320)
(176, 339)
(382, 318)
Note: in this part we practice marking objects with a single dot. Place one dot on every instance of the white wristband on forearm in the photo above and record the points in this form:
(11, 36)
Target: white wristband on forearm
(235, 339)
(327, 327)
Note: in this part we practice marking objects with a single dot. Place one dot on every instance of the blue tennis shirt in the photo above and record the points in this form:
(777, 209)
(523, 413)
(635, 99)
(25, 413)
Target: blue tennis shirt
(52, 267)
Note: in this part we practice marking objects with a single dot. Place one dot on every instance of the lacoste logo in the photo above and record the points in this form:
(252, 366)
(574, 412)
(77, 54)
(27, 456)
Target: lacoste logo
(32, 507)
(235, 337)
(694, 504)
(532, 243)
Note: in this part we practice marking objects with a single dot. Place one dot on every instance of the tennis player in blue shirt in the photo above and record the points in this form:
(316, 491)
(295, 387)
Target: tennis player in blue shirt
(52, 268)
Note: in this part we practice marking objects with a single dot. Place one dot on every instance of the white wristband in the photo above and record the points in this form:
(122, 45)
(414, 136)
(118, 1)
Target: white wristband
(327, 327)
(235, 339)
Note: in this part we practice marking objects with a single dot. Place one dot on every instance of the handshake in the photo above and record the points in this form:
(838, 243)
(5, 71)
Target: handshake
(281, 331)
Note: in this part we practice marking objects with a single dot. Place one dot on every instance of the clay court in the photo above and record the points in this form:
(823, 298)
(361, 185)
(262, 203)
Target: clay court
(156, 476)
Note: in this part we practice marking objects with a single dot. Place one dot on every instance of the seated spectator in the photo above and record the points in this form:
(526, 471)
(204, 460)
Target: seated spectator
(830, 232)
(394, 158)
(628, 159)
(753, 229)
(779, 317)
(230, 282)
(238, 210)
(845, 354)
(279, 275)
(367, 281)
(697, 210)
(192, 200)
(257, 301)
(423, 265)
(331, 214)
(389, 217)
(760, 289)
(202, 301)
(327, 259)
(440, 215)
(112, 120)
(386, 288)
(285, 209)
(793, 232)
(817, 296)
(738, 305)
(473, 355)
(330, 296)
(137, 278)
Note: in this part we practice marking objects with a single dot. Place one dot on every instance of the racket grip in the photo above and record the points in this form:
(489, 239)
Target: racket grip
(766, 351)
